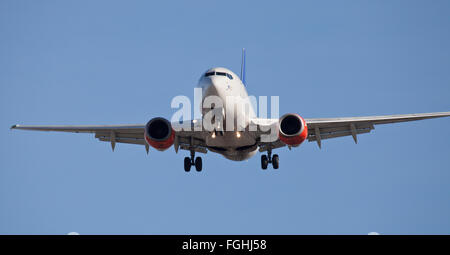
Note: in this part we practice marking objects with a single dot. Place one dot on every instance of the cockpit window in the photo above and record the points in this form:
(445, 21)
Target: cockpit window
(219, 73)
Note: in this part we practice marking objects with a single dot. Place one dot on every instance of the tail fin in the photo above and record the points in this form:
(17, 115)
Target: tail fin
(243, 66)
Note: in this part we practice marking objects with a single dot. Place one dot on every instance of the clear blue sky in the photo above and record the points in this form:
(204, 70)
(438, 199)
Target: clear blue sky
(112, 62)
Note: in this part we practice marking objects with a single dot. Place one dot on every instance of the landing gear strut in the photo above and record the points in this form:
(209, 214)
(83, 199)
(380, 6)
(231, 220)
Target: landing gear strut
(193, 161)
(268, 159)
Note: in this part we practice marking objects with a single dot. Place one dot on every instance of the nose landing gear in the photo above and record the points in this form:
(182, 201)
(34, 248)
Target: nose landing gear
(268, 159)
(193, 161)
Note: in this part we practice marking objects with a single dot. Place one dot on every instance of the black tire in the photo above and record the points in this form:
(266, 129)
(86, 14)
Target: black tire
(264, 162)
(198, 164)
(275, 161)
(187, 164)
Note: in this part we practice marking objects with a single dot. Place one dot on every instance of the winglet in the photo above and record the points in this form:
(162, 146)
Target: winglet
(243, 66)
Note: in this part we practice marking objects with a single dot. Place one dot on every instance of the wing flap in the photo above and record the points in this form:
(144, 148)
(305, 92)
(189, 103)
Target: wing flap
(123, 140)
(339, 128)
(313, 137)
(119, 135)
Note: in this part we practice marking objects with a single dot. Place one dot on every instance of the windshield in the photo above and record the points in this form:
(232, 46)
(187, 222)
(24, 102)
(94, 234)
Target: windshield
(219, 74)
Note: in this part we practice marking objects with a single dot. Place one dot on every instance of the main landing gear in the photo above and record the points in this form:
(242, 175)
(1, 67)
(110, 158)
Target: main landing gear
(268, 159)
(192, 161)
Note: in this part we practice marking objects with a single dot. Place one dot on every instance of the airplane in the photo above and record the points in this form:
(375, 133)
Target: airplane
(289, 130)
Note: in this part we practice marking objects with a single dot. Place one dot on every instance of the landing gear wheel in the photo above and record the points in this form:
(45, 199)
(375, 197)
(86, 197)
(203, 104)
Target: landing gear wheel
(275, 161)
(198, 164)
(264, 162)
(187, 164)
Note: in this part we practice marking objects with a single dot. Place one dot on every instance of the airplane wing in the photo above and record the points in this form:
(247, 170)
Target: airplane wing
(133, 134)
(318, 130)
(326, 128)
(128, 133)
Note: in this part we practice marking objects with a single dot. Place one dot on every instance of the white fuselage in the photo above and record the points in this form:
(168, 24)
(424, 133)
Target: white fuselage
(232, 114)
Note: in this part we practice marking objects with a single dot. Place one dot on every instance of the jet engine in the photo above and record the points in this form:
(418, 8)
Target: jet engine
(292, 129)
(159, 133)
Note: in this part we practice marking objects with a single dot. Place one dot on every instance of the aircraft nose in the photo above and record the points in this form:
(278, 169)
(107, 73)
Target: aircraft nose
(215, 87)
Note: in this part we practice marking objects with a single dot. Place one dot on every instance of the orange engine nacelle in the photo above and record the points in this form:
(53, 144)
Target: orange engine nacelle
(159, 134)
(292, 129)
